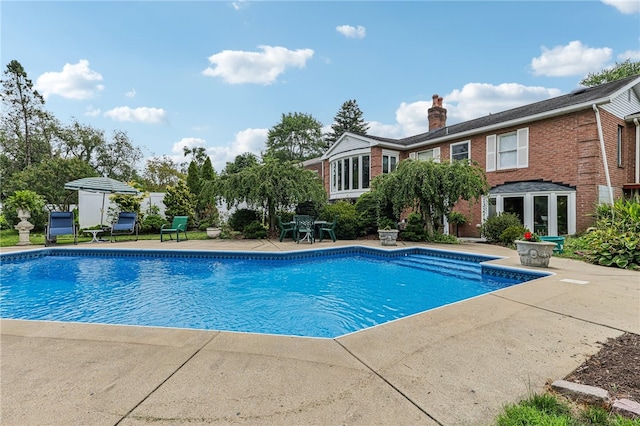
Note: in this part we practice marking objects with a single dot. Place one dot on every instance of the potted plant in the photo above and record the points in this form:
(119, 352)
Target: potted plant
(25, 202)
(387, 232)
(533, 251)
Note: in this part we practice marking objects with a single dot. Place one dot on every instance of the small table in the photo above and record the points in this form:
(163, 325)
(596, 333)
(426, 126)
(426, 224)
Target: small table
(94, 233)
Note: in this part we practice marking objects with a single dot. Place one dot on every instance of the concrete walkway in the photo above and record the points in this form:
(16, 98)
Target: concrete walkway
(456, 365)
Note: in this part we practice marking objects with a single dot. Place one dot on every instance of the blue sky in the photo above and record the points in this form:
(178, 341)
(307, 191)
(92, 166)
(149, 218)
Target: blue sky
(221, 74)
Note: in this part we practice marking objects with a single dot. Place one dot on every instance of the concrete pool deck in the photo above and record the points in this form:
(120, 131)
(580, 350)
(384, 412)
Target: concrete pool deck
(456, 365)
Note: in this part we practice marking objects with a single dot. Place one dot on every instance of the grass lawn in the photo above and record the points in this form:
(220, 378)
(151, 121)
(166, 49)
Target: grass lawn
(9, 237)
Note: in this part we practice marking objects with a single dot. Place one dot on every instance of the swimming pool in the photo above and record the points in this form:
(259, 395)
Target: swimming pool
(314, 293)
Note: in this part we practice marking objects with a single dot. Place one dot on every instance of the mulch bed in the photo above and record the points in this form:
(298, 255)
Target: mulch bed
(615, 368)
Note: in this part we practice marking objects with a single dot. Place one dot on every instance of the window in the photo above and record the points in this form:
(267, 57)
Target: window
(619, 147)
(350, 173)
(508, 151)
(461, 151)
(430, 154)
(389, 163)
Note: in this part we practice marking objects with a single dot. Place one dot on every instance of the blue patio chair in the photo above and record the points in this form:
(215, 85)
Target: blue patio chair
(179, 224)
(286, 228)
(60, 223)
(329, 229)
(126, 224)
(305, 225)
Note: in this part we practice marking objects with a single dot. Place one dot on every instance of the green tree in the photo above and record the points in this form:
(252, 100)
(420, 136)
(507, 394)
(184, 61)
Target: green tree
(24, 122)
(193, 180)
(272, 185)
(198, 154)
(160, 173)
(617, 72)
(431, 188)
(348, 119)
(208, 173)
(48, 177)
(80, 141)
(241, 161)
(118, 158)
(298, 137)
(179, 201)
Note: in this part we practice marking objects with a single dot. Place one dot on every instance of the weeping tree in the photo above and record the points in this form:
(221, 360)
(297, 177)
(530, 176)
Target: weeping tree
(431, 189)
(272, 185)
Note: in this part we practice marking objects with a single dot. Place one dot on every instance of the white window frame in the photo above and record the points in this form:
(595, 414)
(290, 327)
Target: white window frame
(395, 155)
(468, 143)
(432, 154)
(333, 169)
(493, 153)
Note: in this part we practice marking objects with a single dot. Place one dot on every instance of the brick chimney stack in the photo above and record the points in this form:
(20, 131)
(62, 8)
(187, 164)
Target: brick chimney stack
(436, 114)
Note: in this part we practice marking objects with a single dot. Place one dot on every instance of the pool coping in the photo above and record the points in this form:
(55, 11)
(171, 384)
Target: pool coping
(453, 365)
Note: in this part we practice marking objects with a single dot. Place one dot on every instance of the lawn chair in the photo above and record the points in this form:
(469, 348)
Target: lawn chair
(329, 229)
(60, 223)
(305, 225)
(289, 227)
(179, 224)
(127, 224)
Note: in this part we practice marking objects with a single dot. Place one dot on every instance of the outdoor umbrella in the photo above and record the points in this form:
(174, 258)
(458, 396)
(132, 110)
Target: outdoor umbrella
(103, 185)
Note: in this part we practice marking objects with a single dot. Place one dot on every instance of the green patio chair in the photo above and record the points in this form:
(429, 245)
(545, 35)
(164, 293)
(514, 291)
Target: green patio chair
(285, 228)
(329, 229)
(179, 224)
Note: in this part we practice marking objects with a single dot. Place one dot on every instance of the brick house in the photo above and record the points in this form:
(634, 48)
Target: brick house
(550, 162)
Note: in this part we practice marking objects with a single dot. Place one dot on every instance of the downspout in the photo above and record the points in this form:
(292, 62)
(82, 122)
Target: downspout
(635, 121)
(604, 153)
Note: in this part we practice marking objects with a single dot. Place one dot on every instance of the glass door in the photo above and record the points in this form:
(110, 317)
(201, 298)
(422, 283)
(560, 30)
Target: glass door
(541, 214)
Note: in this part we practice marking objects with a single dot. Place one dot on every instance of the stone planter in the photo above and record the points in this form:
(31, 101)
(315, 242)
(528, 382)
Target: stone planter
(214, 232)
(388, 237)
(23, 227)
(535, 253)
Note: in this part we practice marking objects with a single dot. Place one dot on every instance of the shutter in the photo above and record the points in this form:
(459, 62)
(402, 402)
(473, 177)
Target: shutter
(436, 154)
(523, 148)
(412, 155)
(491, 153)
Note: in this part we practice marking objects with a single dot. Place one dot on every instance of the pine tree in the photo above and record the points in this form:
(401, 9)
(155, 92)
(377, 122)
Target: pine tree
(348, 119)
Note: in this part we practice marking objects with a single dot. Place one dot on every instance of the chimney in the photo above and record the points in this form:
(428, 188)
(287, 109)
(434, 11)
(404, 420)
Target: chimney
(436, 114)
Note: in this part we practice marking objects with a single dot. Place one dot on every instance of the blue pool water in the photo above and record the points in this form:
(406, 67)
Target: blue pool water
(323, 293)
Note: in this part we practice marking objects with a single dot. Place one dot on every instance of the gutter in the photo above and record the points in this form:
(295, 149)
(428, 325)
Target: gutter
(635, 121)
(604, 153)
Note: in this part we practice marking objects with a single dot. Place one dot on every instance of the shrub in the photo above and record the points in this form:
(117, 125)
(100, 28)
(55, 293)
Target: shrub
(3, 222)
(494, 226)
(615, 239)
(241, 218)
(254, 230)
(511, 234)
(414, 230)
(367, 213)
(347, 225)
(152, 223)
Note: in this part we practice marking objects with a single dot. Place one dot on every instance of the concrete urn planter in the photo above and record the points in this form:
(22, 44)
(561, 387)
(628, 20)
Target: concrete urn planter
(23, 227)
(214, 232)
(388, 237)
(533, 253)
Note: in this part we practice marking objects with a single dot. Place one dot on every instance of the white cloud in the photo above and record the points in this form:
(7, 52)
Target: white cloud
(91, 111)
(627, 7)
(238, 67)
(75, 81)
(131, 93)
(239, 4)
(634, 55)
(249, 140)
(140, 115)
(569, 60)
(472, 101)
(352, 32)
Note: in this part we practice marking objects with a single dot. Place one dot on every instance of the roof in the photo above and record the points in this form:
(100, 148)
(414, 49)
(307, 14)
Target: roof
(581, 98)
(530, 186)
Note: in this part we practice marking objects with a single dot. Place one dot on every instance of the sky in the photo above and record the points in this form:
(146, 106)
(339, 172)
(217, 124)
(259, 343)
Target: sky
(220, 74)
